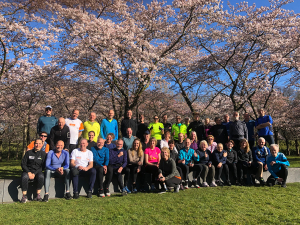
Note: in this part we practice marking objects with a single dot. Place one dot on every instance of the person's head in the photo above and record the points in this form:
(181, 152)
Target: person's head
(43, 136)
(48, 110)
(274, 149)
(196, 116)
(91, 135)
(193, 136)
(203, 145)
(141, 118)
(236, 115)
(244, 145)
(61, 123)
(111, 114)
(153, 142)
(220, 147)
(178, 119)
(147, 135)
(165, 153)
(38, 144)
(137, 146)
(230, 144)
(83, 144)
(187, 120)
(129, 132)
(171, 144)
(75, 114)
(246, 117)
(167, 135)
(206, 121)
(119, 144)
(218, 120)
(261, 142)
(92, 116)
(129, 114)
(187, 143)
(100, 143)
(180, 137)
(59, 146)
(155, 119)
(109, 138)
(165, 117)
(261, 112)
(226, 118)
(210, 139)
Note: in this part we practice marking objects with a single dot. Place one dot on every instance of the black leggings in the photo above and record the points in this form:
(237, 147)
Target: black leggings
(219, 171)
(111, 171)
(133, 171)
(39, 177)
(283, 173)
(100, 175)
(153, 170)
(171, 182)
(197, 168)
(230, 167)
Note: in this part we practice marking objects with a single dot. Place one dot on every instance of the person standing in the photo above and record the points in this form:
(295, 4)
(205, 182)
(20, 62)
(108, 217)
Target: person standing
(91, 125)
(156, 130)
(167, 126)
(264, 126)
(227, 123)
(219, 132)
(45, 147)
(128, 122)
(238, 130)
(46, 122)
(76, 127)
(142, 127)
(197, 126)
(109, 125)
(179, 127)
(250, 127)
(60, 132)
(128, 139)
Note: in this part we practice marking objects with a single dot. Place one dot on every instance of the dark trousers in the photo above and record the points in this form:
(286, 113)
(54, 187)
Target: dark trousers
(251, 144)
(72, 147)
(197, 168)
(283, 173)
(219, 171)
(153, 170)
(133, 172)
(114, 171)
(39, 178)
(91, 173)
(100, 175)
(171, 182)
(244, 169)
(269, 139)
(230, 168)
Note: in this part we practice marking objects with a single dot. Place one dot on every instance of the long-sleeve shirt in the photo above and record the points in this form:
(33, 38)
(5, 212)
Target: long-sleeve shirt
(101, 156)
(156, 130)
(168, 168)
(126, 123)
(260, 154)
(188, 156)
(231, 156)
(45, 123)
(250, 127)
(133, 157)
(109, 127)
(204, 159)
(266, 130)
(220, 133)
(117, 161)
(33, 161)
(53, 162)
(280, 159)
(244, 156)
(56, 135)
(194, 145)
(238, 130)
(193, 126)
(218, 157)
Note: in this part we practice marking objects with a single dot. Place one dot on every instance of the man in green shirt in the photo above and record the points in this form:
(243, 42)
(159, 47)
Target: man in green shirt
(156, 130)
(179, 127)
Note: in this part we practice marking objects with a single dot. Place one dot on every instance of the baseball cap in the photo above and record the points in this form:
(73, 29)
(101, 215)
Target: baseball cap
(48, 106)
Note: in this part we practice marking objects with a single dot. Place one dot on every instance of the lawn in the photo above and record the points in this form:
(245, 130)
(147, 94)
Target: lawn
(221, 205)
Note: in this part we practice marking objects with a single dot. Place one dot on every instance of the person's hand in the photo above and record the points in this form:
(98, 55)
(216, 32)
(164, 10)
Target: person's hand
(140, 163)
(85, 169)
(162, 179)
(219, 165)
(191, 164)
(60, 170)
(249, 164)
(160, 175)
(266, 167)
(272, 163)
(279, 179)
(120, 169)
(120, 154)
(183, 161)
(195, 154)
(225, 154)
(31, 175)
(104, 169)
(151, 128)
(80, 167)
(160, 128)
(209, 164)
(269, 124)
(139, 169)
(157, 165)
(66, 150)
(206, 155)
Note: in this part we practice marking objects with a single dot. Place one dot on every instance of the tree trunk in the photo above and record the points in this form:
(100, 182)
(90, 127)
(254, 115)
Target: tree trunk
(297, 146)
(9, 147)
(1, 148)
(24, 139)
(276, 135)
(287, 147)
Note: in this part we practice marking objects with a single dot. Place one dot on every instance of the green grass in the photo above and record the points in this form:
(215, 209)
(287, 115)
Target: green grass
(221, 205)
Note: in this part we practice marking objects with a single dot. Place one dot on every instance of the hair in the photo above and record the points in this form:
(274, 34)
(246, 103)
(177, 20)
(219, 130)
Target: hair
(231, 141)
(140, 149)
(196, 114)
(100, 138)
(153, 138)
(167, 132)
(165, 149)
(203, 142)
(43, 132)
(92, 132)
(111, 134)
(217, 118)
(155, 116)
(210, 136)
(247, 146)
(38, 139)
(261, 138)
(120, 139)
(192, 134)
(219, 144)
(75, 110)
(164, 115)
(82, 139)
(275, 146)
(171, 142)
(237, 112)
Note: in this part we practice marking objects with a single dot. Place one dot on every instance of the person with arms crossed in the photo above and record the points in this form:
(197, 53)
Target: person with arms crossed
(264, 126)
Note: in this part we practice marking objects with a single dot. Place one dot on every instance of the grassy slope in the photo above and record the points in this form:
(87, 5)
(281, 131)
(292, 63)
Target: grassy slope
(227, 205)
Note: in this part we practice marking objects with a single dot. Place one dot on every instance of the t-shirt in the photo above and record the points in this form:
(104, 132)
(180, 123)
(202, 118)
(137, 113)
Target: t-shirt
(82, 158)
(153, 155)
(156, 130)
(75, 127)
(266, 130)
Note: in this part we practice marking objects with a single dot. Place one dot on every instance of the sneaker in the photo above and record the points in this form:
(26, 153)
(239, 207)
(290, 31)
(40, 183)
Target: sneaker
(134, 190)
(176, 189)
(219, 183)
(262, 181)
(68, 196)
(124, 192)
(194, 183)
(283, 185)
(89, 194)
(128, 191)
(213, 184)
(181, 187)
(186, 186)
(46, 198)
(162, 191)
(38, 198)
(24, 199)
(227, 183)
(101, 193)
(107, 193)
(153, 187)
(76, 195)
(205, 184)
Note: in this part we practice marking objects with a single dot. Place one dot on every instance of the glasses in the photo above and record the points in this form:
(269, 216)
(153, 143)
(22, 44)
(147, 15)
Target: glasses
(48, 109)
(43, 135)
(210, 139)
(156, 118)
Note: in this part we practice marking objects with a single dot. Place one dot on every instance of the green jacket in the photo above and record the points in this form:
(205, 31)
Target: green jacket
(178, 129)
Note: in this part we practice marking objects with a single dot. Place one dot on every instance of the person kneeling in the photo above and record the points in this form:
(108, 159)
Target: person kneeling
(57, 164)
(168, 174)
(277, 166)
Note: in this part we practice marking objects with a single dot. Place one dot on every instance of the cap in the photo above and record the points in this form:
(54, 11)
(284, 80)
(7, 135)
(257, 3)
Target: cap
(48, 106)
(147, 132)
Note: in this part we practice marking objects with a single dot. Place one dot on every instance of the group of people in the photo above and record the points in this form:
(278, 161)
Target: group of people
(168, 152)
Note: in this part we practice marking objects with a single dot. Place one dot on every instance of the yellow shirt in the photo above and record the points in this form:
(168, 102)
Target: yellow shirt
(89, 126)
(156, 132)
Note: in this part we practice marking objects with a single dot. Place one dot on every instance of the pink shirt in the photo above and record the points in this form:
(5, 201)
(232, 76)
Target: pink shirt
(153, 155)
(212, 147)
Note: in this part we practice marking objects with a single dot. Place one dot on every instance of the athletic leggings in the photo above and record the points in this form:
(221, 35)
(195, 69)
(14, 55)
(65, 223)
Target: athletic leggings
(219, 171)
(133, 172)
(100, 175)
(197, 168)
(111, 171)
(171, 182)
(39, 177)
(153, 170)
(230, 167)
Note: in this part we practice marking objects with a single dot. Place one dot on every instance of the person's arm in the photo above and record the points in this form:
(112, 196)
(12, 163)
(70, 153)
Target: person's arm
(159, 156)
(188, 129)
(250, 156)
(270, 168)
(24, 163)
(67, 160)
(124, 159)
(245, 131)
(102, 129)
(72, 163)
(141, 161)
(130, 158)
(255, 156)
(181, 158)
(67, 143)
(30, 146)
(116, 130)
(172, 174)
(95, 156)
(52, 136)
(106, 160)
(235, 157)
(48, 161)
(226, 134)
(283, 160)
(38, 126)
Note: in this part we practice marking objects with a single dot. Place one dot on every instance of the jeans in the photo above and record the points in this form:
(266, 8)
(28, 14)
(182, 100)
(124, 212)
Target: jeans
(53, 173)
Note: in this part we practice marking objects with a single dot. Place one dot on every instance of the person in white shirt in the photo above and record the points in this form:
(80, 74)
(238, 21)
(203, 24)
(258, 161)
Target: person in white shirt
(82, 165)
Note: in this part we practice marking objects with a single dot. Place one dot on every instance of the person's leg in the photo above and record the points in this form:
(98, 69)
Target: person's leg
(172, 182)
(203, 174)
(154, 172)
(67, 179)
(240, 172)
(271, 181)
(226, 171)
(218, 172)
(119, 176)
(47, 181)
(197, 168)
(269, 139)
(100, 174)
(92, 175)
(185, 171)
(24, 181)
(75, 182)
(126, 171)
(40, 178)
(283, 173)
(233, 170)
(108, 176)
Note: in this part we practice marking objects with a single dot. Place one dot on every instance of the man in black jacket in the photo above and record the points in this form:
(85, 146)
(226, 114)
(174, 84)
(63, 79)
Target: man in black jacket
(197, 126)
(128, 122)
(33, 163)
(219, 132)
(238, 130)
(60, 132)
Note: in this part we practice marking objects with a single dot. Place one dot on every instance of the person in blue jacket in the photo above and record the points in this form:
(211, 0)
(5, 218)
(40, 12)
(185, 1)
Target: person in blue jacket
(264, 126)
(109, 125)
(260, 154)
(219, 160)
(101, 160)
(185, 162)
(277, 166)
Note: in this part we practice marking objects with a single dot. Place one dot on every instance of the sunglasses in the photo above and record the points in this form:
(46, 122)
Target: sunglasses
(210, 139)
(43, 136)
(156, 118)
(48, 109)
